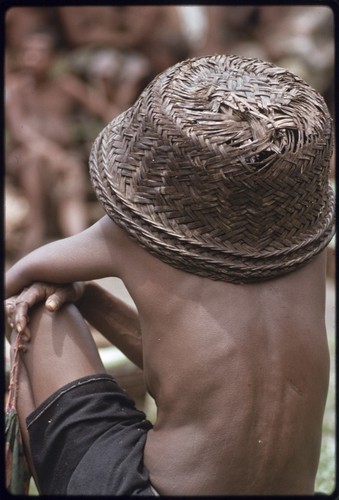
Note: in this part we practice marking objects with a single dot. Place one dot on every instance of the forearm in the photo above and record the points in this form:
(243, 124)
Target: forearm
(114, 319)
(48, 263)
(88, 255)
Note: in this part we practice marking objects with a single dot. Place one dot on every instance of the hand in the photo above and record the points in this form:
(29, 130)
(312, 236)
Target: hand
(17, 307)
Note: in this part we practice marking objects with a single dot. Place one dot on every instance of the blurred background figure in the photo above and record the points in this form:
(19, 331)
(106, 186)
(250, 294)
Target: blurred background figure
(119, 49)
(42, 158)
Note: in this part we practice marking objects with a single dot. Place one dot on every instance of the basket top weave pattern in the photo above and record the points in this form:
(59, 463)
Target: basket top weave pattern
(220, 169)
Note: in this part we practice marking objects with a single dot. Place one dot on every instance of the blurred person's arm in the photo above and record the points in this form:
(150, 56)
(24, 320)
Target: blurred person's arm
(88, 97)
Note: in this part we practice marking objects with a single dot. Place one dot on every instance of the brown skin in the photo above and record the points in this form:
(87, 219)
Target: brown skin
(239, 373)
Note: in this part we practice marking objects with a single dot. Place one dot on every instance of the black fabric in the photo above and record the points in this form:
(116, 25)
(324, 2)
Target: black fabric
(88, 439)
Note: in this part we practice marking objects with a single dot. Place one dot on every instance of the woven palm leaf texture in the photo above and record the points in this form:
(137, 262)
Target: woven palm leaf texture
(220, 168)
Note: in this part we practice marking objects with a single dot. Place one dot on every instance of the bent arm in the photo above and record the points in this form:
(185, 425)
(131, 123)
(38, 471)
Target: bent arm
(92, 254)
(97, 252)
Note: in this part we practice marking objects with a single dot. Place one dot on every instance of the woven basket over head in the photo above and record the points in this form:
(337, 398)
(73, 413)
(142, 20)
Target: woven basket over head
(220, 169)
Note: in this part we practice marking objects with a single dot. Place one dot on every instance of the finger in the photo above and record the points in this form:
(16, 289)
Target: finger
(37, 293)
(59, 297)
(10, 305)
(10, 309)
(20, 316)
(25, 335)
(33, 295)
(55, 301)
(62, 295)
(9, 314)
(10, 319)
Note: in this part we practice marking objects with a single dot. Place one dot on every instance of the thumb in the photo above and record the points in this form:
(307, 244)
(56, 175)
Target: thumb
(53, 302)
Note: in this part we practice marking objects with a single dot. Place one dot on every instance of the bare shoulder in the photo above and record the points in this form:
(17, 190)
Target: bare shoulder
(150, 280)
(221, 319)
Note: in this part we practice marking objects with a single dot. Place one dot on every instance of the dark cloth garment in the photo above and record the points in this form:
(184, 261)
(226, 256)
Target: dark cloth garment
(88, 439)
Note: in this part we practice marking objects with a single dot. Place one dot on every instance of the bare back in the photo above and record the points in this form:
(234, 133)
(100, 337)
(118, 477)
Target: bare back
(239, 374)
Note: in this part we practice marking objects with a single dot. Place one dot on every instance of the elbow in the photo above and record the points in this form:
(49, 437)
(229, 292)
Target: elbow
(16, 278)
(12, 286)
